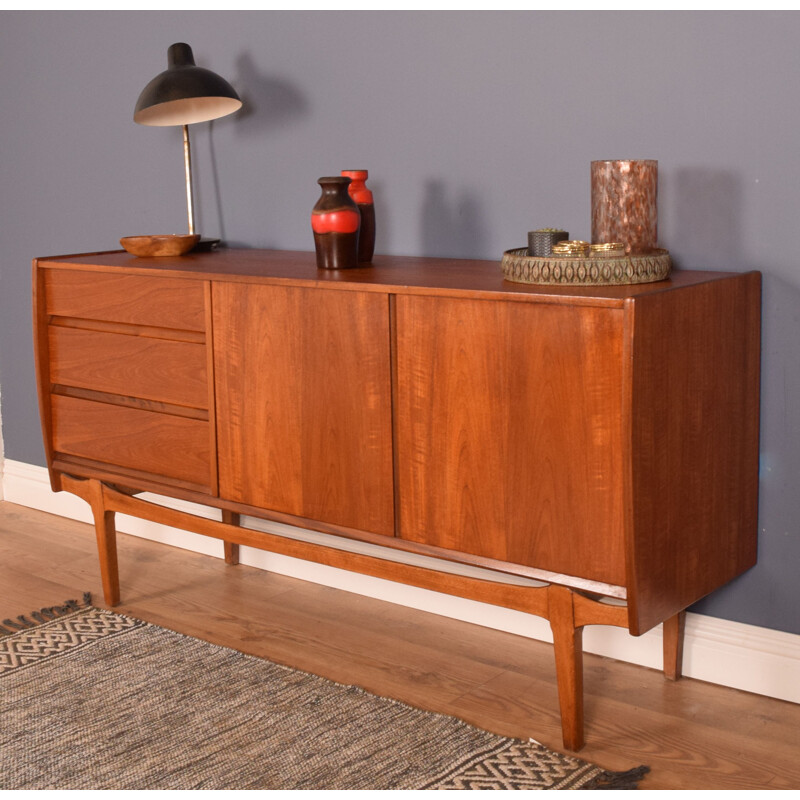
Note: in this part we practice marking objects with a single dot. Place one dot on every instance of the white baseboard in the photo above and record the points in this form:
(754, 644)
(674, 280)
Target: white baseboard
(746, 657)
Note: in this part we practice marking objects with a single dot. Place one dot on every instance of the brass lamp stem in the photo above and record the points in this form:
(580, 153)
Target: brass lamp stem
(187, 157)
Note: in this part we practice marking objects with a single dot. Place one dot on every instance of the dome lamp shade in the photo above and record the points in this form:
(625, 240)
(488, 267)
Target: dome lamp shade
(182, 95)
(185, 93)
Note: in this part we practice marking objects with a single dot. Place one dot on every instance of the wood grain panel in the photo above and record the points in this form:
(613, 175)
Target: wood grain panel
(304, 403)
(41, 354)
(130, 480)
(130, 402)
(126, 329)
(134, 366)
(386, 273)
(136, 482)
(509, 432)
(694, 457)
(141, 300)
(160, 444)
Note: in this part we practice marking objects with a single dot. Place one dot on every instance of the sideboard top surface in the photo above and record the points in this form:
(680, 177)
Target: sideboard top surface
(397, 274)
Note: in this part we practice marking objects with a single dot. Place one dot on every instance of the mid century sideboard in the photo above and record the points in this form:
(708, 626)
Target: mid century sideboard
(601, 442)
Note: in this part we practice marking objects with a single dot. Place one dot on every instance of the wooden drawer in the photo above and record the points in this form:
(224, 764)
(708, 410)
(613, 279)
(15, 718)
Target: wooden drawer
(153, 301)
(132, 366)
(132, 438)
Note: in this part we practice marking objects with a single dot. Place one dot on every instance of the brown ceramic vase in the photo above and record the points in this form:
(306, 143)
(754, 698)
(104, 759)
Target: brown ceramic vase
(335, 221)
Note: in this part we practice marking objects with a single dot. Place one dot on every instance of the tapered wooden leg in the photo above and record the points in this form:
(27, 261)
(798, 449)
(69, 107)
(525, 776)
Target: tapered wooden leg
(231, 549)
(106, 533)
(568, 644)
(673, 645)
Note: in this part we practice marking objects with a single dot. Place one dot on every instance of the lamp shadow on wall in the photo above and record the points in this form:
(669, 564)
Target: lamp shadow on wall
(452, 228)
(268, 103)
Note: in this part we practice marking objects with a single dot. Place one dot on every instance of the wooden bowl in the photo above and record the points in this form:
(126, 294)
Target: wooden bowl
(167, 245)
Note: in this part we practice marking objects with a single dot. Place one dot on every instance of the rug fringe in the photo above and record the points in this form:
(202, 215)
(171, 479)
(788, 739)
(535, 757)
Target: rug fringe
(618, 780)
(43, 615)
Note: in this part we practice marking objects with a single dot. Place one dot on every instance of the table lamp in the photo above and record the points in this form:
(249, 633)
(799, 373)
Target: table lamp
(181, 95)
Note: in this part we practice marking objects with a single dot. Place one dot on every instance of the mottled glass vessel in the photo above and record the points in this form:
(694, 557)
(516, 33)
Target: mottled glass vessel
(625, 204)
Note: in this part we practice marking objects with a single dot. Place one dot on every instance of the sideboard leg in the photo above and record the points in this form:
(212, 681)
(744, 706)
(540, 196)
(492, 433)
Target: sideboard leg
(568, 645)
(106, 533)
(231, 549)
(673, 645)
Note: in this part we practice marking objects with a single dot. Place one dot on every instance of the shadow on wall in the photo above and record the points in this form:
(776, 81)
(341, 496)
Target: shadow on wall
(768, 595)
(452, 228)
(383, 217)
(709, 210)
(267, 102)
(709, 220)
(707, 232)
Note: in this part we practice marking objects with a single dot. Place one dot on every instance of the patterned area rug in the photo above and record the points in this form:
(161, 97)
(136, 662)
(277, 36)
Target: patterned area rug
(96, 700)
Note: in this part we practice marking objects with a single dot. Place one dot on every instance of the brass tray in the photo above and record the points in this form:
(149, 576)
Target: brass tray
(519, 267)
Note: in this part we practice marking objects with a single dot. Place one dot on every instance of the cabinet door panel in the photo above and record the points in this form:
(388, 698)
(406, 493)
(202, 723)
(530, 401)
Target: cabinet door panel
(509, 432)
(303, 383)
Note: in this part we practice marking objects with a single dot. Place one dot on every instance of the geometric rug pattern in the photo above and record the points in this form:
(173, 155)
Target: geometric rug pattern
(92, 699)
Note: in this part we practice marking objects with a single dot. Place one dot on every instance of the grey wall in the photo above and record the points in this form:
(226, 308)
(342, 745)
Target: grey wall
(475, 127)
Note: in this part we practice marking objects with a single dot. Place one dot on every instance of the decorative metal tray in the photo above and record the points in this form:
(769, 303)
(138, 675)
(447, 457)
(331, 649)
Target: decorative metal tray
(519, 267)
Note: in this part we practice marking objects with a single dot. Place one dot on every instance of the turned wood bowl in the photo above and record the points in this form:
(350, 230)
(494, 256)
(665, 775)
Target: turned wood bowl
(166, 245)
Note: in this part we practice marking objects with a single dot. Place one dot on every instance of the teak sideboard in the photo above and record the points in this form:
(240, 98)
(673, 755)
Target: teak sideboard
(593, 450)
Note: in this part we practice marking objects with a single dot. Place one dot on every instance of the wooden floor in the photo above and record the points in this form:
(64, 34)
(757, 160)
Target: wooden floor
(693, 735)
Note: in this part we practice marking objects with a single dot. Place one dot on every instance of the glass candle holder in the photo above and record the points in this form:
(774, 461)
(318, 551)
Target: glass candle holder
(624, 204)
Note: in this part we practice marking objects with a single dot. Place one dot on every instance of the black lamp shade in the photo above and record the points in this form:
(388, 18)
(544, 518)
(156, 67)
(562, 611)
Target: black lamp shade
(184, 93)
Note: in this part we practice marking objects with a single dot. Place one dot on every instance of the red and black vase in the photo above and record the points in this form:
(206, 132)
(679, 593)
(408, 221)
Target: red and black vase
(335, 221)
(366, 206)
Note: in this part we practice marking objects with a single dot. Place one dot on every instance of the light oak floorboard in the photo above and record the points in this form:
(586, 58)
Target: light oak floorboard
(692, 734)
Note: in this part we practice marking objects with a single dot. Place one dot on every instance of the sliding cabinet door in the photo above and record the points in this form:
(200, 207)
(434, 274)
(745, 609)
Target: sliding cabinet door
(303, 382)
(509, 432)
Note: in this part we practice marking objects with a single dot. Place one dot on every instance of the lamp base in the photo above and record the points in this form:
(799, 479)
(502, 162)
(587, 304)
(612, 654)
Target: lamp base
(205, 244)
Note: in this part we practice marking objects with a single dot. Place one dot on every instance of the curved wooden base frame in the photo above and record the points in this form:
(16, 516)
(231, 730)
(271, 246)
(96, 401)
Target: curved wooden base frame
(567, 610)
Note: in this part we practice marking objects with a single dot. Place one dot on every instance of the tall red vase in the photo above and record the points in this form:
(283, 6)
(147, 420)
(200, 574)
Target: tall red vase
(366, 206)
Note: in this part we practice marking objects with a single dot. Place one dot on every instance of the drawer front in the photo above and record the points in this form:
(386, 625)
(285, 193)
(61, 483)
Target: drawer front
(150, 442)
(131, 366)
(159, 302)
